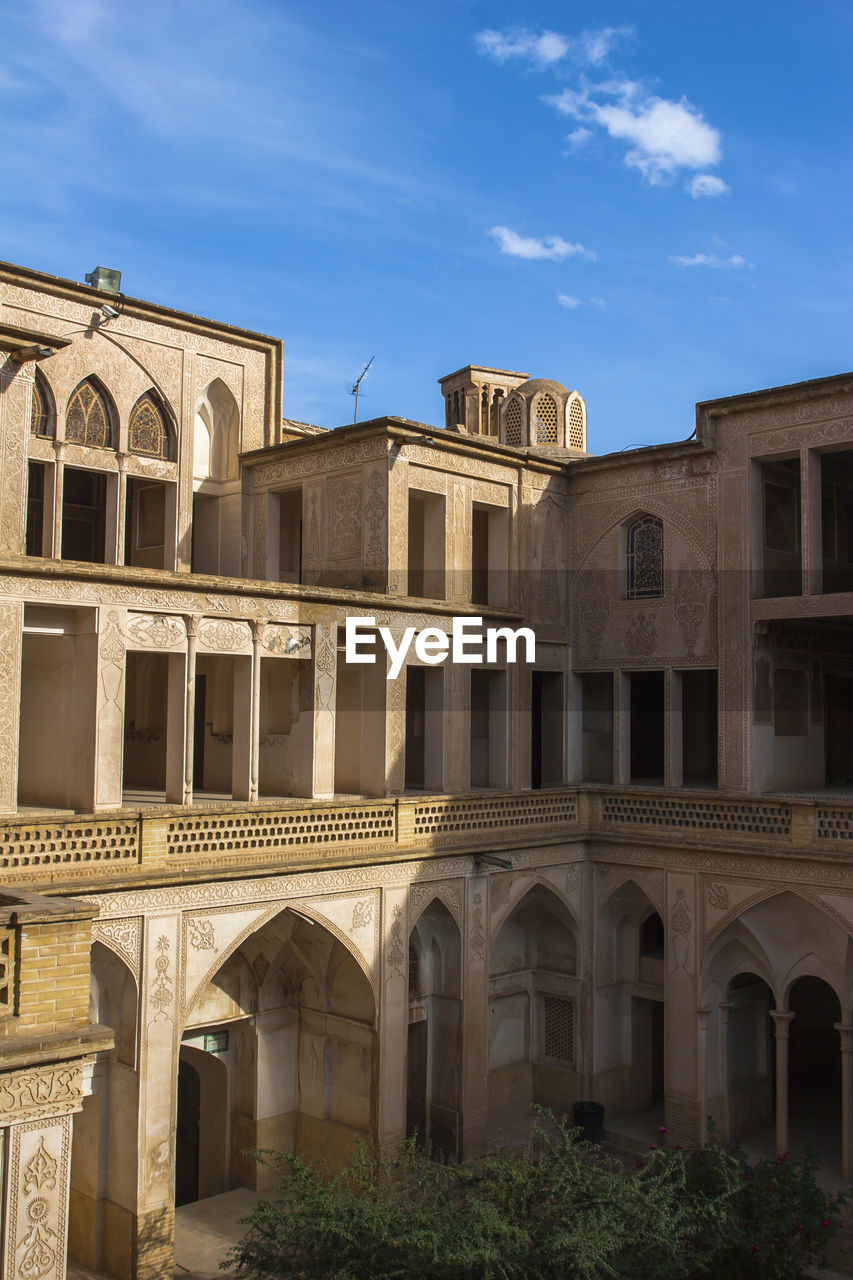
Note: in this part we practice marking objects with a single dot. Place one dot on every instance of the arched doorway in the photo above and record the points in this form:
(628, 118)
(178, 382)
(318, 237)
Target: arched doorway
(814, 1069)
(277, 1053)
(629, 1044)
(750, 1058)
(434, 1069)
(533, 1003)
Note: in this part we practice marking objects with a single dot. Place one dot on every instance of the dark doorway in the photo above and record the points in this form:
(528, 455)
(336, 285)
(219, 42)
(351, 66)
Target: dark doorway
(546, 740)
(647, 727)
(814, 1068)
(647, 1053)
(187, 1136)
(198, 732)
(35, 509)
(839, 730)
(416, 1081)
(699, 728)
(84, 514)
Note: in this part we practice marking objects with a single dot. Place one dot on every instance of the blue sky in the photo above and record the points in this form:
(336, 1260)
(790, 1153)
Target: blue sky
(648, 201)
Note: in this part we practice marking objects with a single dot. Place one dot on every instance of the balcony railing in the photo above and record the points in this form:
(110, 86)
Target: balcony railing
(176, 843)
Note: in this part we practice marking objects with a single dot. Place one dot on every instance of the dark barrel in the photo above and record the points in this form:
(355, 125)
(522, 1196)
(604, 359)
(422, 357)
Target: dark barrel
(589, 1116)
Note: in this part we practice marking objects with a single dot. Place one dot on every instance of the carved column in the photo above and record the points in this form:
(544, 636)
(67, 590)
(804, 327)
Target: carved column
(192, 623)
(16, 387)
(475, 1017)
(846, 1034)
(457, 728)
(38, 1155)
(153, 1218)
(258, 626)
(395, 732)
(782, 1022)
(393, 1018)
(245, 723)
(726, 1128)
(701, 1090)
(55, 548)
(681, 1058)
(120, 513)
(176, 727)
(325, 677)
(108, 761)
(812, 543)
(11, 625)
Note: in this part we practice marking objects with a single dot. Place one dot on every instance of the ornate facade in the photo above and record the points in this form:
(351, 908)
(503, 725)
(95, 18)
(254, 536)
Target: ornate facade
(251, 888)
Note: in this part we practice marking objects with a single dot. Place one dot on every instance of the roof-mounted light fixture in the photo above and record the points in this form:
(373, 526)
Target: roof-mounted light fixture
(106, 279)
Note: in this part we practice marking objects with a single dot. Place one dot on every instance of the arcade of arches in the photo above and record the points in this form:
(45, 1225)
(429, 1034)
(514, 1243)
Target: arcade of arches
(307, 1015)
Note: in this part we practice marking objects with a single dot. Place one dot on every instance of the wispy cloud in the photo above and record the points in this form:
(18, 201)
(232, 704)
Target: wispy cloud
(598, 302)
(735, 262)
(579, 136)
(552, 248)
(549, 47)
(665, 135)
(568, 301)
(706, 184)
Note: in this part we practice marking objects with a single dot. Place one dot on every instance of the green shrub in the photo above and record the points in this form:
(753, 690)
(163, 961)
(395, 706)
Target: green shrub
(557, 1210)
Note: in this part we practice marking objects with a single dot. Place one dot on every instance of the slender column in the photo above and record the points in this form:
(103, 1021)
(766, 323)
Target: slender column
(475, 1018)
(701, 1072)
(846, 1034)
(108, 750)
(189, 719)
(725, 1007)
(55, 548)
(11, 626)
(810, 483)
(113, 549)
(176, 727)
(674, 753)
(389, 1104)
(244, 726)
(258, 626)
(121, 508)
(782, 1022)
(622, 728)
(325, 673)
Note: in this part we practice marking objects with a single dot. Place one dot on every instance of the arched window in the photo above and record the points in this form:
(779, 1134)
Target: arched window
(546, 420)
(87, 419)
(512, 423)
(147, 431)
(576, 440)
(42, 418)
(651, 937)
(645, 558)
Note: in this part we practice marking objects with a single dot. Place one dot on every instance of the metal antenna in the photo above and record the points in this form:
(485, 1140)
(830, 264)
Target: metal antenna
(354, 389)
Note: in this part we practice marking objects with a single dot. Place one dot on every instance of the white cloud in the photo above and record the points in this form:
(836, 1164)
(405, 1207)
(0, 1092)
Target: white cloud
(590, 47)
(705, 184)
(598, 302)
(666, 135)
(736, 261)
(552, 248)
(544, 49)
(579, 136)
(568, 301)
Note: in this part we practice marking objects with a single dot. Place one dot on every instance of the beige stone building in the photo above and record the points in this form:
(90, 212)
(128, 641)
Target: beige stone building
(256, 894)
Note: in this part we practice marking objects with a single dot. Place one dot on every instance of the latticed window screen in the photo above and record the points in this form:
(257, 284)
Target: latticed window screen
(559, 1029)
(87, 419)
(512, 423)
(546, 420)
(147, 432)
(576, 424)
(41, 418)
(414, 971)
(7, 972)
(645, 558)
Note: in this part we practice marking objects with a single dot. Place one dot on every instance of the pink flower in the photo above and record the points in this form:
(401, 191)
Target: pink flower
(662, 1128)
(825, 1222)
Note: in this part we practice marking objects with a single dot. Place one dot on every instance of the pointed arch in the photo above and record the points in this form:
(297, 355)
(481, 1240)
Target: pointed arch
(644, 548)
(216, 440)
(43, 411)
(149, 431)
(90, 416)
